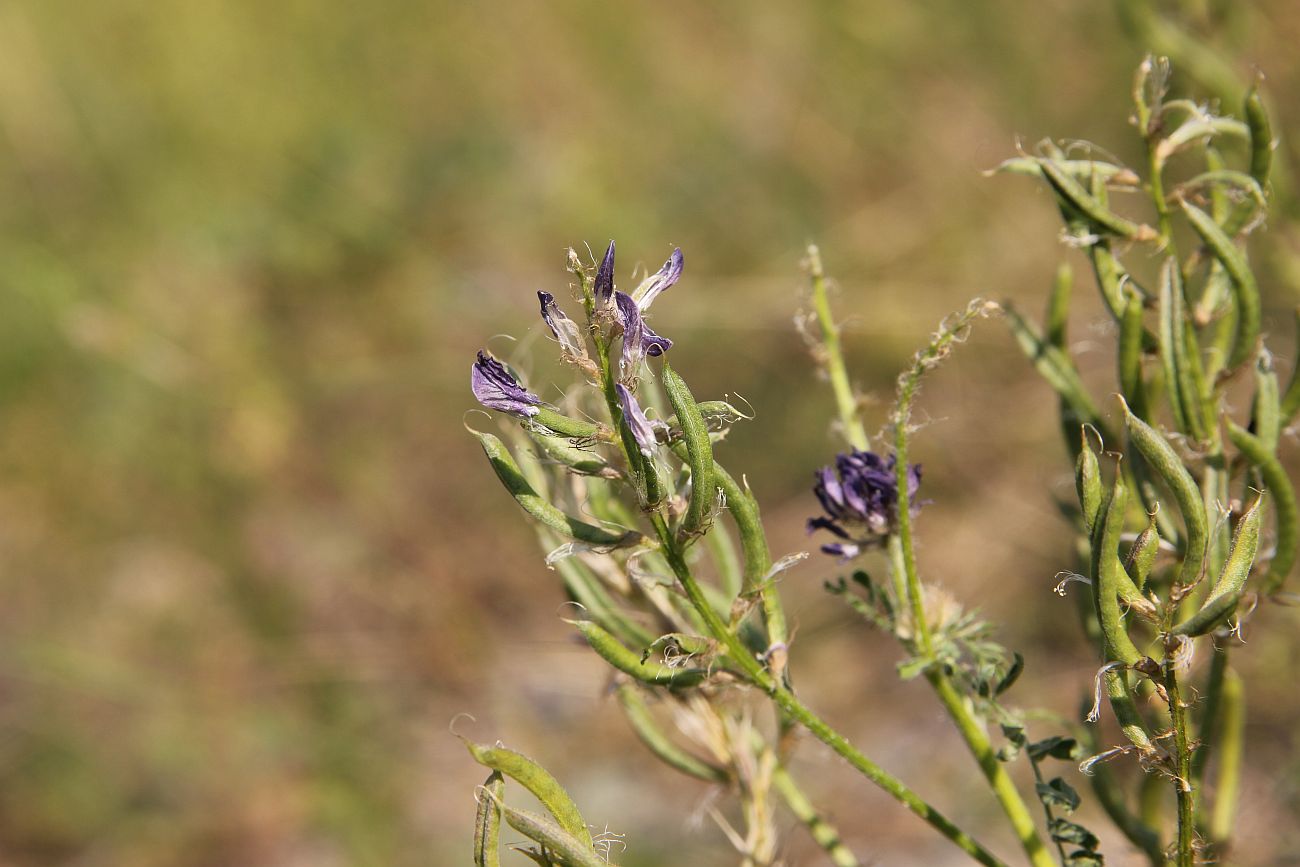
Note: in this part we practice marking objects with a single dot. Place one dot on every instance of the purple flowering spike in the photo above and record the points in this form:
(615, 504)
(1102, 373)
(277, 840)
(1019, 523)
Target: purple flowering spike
(860, 498)
(495, 388)
(643, 430)
(604, 285)
(660, 281)
(566, 331)
(638, 340)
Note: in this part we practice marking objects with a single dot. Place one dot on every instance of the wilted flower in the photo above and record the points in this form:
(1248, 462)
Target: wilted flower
(604, 285)
(660, 281)
(566, 331)
(643, 430)
(860, 497)
(496, 388)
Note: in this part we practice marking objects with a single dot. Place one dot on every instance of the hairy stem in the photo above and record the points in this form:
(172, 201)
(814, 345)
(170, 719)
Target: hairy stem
(847, 404)
(1186, 855)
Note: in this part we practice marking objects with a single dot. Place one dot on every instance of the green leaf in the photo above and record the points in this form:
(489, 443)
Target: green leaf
(1058, 793)
(1058, 747)
(1065, 831)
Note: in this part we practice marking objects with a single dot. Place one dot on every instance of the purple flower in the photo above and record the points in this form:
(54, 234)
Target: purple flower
(643, 430)
(660, 281)
(496, 388)
(566, 331)
(860, 498)
(604, 285)
(638, 339)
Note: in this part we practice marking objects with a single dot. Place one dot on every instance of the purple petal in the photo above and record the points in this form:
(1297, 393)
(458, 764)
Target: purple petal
(660, 281)
(820, 523)
(638, 340)
(642, 429)
(604, 285)
(496, 388)
(846, 551)
(566, 331)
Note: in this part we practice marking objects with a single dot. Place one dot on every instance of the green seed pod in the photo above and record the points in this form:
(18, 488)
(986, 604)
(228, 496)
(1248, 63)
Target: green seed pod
(1072, 193)
(699, 453)
(1055, 366)
(487, 823)
(562, 845)
(1130, 353)
(1142, 554)
(1087, 482)
(570, 427)
(1082, 170)
(1227, 590)
(1243, 281)
(1058, 306)
(612, 651)
(1284, 502)
(1266, 411)
(509, 474)
(581, 461)
(638, 715)
(1181, 362)
(1291, 398)
(1108, 574)
(1161, 457)
(1261, 137)
(537, 780)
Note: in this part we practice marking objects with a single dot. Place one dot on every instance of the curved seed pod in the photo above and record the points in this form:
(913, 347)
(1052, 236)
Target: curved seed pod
(1279, 485)
(564, 846)
(1143, 554)
(1087, 482)
(634, 707)
(1196, 128)
(699, 452)
(1266, 412)
(1162, 458)
(509, 474)
(1227, 590)
(1261, 137)
(1108, 573)
(612, 651)
(1073, 193)
(537, 780)
(1243, 281)
(487, 823)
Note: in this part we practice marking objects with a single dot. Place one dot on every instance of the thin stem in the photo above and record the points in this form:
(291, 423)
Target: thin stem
(1231, 747)
(850, 417)
(823, 832)
(1182, 768)
(786, 700)
(1047, 808)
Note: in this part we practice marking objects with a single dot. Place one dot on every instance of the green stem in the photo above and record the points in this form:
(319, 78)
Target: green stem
(1228, 790)
(1182, 768)
(850, 417)
(786, 700)
(803, 809)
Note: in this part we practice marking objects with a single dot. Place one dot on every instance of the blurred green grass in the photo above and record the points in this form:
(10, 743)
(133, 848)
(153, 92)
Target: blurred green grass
(252, 565)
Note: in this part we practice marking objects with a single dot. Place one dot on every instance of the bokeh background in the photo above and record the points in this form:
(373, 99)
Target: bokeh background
(253, 567)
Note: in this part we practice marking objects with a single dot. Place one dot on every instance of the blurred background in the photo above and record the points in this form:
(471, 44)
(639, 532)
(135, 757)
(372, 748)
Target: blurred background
(252, 565)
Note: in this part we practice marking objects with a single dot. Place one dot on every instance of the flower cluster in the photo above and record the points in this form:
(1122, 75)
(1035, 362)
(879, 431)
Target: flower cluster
(860, 497)
(623, 315)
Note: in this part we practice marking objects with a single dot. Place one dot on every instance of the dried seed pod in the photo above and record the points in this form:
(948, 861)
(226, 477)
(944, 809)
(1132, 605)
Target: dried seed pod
(1162, 458)
(532, 503)
(487, 822)
(616, 654)
(537, 780)
(699, 453)
(1284, 502)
